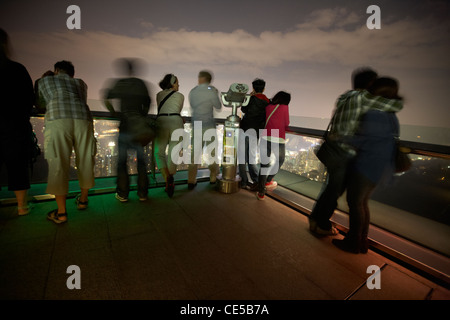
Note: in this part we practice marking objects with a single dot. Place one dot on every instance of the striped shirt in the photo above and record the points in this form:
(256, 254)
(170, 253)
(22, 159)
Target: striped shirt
(64, 97)
(353, 104)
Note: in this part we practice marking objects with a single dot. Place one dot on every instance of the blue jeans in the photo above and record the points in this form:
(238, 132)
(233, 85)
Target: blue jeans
(123, 179)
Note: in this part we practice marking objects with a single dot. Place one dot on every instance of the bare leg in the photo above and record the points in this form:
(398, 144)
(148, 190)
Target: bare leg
(61, 203)
(84, 195)
(21, 196)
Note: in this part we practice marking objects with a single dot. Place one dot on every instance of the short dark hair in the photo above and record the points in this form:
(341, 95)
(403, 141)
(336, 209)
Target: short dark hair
(362, 78)
(385, 87)
(205, 74)
(259, 85)
(65, 66)
(281, 98)
(166, 82)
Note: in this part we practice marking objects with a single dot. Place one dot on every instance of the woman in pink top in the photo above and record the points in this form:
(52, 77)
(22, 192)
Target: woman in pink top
(273, 142)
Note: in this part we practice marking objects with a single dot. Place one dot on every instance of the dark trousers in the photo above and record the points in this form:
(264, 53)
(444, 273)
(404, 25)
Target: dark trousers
(327, 201)
(253, 168)
(359, 190)
(269, 170)
(123, 179)
(15, 155)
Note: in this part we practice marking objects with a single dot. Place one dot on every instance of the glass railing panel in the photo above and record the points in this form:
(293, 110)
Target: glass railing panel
(414, 205)
(106, 133)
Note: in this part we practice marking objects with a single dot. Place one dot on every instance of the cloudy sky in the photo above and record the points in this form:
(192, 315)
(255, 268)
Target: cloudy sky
(308, 48)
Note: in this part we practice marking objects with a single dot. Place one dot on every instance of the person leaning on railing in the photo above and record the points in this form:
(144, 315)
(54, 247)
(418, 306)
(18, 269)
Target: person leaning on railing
(68, 125)
(204, 99)
(254, 118)
(273, 139)
(134, 98)
(170, 103)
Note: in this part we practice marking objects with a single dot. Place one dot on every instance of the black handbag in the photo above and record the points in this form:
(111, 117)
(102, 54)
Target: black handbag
(142, 128)
(330, 153)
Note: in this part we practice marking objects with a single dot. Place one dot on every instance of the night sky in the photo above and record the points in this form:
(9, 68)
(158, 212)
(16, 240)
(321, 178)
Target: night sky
(308, 48)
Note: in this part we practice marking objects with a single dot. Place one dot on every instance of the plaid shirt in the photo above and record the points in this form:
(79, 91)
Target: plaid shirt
(64, 97)
(352, 105)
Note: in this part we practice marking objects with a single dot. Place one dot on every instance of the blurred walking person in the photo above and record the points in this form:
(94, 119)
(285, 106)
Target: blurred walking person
(170, 103)
(350, 107)
(68, 125)
(204, 99)
(375, 144)
(135, 101)
(254, 119)
(17, 98)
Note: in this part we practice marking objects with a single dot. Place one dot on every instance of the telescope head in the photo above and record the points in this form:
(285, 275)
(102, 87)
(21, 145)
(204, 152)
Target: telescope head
(236, 96)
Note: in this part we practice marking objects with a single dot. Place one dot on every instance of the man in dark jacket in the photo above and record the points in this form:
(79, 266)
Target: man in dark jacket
(253, 121)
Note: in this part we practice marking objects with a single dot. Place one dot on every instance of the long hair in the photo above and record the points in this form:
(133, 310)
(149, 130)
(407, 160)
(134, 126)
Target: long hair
(385, 87)
(281, 98)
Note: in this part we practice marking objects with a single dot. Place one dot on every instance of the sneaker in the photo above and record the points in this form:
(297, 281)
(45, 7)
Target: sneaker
(272, 185)
(121, 199)
(259, 196)
(143, 199)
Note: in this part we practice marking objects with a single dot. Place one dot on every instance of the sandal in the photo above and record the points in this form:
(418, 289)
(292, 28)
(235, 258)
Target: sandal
(80, 204)
(54, 216)
(27, 210)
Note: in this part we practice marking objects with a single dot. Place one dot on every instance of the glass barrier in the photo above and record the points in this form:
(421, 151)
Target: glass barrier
(414, 205)
(106, 132)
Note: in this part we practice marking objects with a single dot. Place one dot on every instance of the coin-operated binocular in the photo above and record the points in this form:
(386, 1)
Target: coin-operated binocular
(235, 98)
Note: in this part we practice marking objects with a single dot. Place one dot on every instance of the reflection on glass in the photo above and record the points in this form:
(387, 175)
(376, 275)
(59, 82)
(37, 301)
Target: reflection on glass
(106, 133)
(415, 204)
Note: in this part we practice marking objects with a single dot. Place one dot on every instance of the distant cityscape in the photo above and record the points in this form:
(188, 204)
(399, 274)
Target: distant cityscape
(300, 156)
(424, 190)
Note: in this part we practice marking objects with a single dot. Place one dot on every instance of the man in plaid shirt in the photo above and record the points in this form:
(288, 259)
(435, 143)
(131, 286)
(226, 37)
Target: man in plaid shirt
(68, 125)
(350, 107)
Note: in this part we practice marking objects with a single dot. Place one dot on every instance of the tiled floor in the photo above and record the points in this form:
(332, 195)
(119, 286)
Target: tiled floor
(200, 244)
